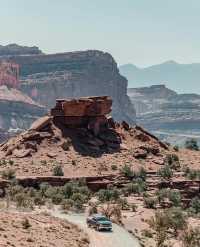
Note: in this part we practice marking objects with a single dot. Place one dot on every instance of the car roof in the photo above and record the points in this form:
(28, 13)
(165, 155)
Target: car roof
(98, 216)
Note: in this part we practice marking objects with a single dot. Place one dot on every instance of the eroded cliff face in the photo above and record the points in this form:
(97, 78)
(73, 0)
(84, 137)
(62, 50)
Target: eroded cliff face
(171, 116)
(17, 111)
(88, 73)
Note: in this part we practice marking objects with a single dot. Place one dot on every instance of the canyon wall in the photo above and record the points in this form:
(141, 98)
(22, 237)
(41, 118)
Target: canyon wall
(75, 74)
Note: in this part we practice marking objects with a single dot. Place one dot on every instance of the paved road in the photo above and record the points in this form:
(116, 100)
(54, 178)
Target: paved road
(118, 238)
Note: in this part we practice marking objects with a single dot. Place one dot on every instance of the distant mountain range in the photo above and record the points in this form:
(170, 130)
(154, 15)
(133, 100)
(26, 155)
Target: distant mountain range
(183, 78)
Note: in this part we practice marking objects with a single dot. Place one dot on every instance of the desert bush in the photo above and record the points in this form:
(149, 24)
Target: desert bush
(191, 237)
(147, 233)
(174, 197)
(159, 223)
(38, 199)
(195, 205)
(22, 200)
(176, 219)
(172, 160)
(114, 167)
(67, 204)
(79, 200)
(26, 224)
(150, 202)
(192, 144)
(192, 174)
(58, 171)
(106, 195)
(162, 194)
(127, 171)
(165, 172)
(123, 203)
(8, 174)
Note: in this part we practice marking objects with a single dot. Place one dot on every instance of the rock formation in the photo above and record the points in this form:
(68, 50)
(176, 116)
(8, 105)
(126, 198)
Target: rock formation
(17, 111)
(173, 117)
(14, 49)
(75, 74)
(79, 134)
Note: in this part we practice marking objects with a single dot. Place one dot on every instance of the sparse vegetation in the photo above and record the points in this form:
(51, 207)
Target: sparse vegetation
(114, 167)
(174, 197)
(191, 237)
(8, 174)
(127, 171)
(58, 171)
(165, 172)
(192, 144)
(26, 224)
(172, 160)
(150, 202)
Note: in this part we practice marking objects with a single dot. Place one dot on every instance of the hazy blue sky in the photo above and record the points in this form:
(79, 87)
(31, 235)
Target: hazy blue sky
(142, 32)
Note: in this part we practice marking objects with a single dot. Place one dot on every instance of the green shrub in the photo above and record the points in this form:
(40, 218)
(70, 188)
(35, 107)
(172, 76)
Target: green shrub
(22, 200)
(58, 171)
(123, 203)
(67, 204)
(162, 194)
(165, 172)
(106, 195)
(192, 144)
(127, 171)
(192, 174)
(150, 202)
(195, 205)
(8, 174)
(172, 160)
(174, 197)
(191, 237)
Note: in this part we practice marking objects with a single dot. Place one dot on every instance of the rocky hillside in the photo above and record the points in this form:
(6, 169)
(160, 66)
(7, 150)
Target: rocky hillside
(166, 113)
(17, 111)
(79, 150)
(31, 229)
(48, 77)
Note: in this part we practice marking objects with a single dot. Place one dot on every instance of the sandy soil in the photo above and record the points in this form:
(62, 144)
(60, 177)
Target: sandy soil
(44, 231)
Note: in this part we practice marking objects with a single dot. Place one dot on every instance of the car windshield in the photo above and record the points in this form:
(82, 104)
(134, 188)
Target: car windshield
(102, 218)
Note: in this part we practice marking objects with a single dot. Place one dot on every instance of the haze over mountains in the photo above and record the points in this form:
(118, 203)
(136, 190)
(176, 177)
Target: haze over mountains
(183, 78)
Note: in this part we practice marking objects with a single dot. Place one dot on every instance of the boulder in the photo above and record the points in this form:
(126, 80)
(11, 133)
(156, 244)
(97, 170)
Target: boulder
(41, 123)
